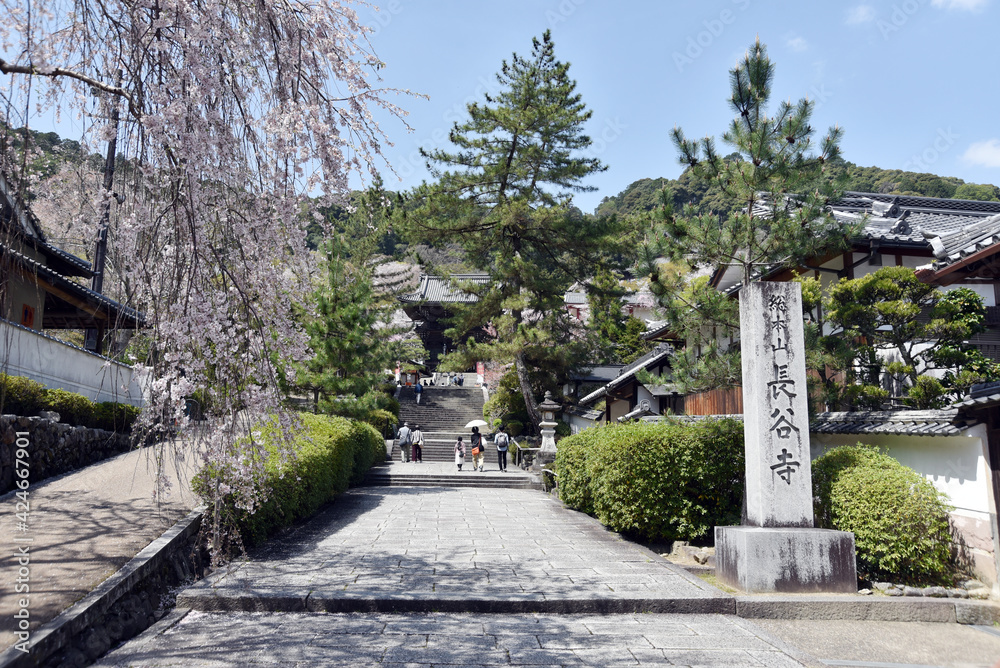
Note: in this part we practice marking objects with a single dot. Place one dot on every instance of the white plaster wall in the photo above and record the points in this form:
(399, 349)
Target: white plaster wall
(59, 365)
(956, 465)
(984, 290)
(577, 423)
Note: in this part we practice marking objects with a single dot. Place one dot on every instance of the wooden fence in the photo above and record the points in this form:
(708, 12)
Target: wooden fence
(715, 402)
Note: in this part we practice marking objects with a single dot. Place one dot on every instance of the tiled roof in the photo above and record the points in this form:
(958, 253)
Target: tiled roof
(943, 422)
(659, 353)
(602, 373)
(440, 289)
(981, 396)
(60, 281)
(951, 229)
(586, 413)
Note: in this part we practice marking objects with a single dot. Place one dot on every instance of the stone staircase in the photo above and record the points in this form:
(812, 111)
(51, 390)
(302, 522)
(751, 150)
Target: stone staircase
(442, 415)
(440, 474)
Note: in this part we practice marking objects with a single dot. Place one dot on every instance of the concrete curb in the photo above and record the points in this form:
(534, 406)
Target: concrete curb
(59, 633)
(511, 604)
(858, 608)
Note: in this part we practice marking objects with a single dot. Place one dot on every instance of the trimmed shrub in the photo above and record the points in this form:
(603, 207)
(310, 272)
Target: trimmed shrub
(563, 429)
(574, 476)
(20, 396)
(73, 408)
(112, 416)
(330, 454)
(23, 396)
(899, 519)
(668, 481)
(383, 421)
(514, 428)
(656, 481)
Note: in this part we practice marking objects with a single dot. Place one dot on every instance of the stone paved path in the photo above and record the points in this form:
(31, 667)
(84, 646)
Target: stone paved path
(82, 527)
(454, 549)
(361, 640)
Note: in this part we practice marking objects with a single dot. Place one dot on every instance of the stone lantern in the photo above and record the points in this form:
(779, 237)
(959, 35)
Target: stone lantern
(549, 409)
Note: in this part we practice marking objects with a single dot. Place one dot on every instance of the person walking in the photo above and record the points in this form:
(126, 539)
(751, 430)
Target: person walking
(502, 441)
(478, 451)
(459, 453)
(418, 389)
(405, 437)
(418, 445)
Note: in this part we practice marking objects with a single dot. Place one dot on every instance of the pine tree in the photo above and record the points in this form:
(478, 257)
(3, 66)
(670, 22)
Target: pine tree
(351, 337)
(504, 194)
(776, 188)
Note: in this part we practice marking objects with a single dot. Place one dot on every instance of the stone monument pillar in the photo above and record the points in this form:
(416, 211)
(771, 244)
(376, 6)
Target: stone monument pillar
(778, 549)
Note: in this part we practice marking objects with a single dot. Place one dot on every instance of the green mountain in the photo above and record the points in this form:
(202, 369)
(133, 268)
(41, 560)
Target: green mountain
(644, 194)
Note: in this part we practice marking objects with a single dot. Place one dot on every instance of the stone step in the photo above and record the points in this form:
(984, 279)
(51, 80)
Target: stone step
(463, 479)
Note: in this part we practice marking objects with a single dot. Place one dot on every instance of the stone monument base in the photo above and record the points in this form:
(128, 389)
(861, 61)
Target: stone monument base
(785, 559)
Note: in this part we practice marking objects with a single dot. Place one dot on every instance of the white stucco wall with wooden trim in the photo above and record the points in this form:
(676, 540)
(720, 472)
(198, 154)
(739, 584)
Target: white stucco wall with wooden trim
(957, 466)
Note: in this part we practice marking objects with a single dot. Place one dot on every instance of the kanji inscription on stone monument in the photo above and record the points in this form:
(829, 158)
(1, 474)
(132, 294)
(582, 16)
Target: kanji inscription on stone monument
(775, 412)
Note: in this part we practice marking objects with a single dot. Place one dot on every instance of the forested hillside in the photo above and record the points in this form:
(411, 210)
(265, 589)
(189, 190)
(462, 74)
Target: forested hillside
(644, 194)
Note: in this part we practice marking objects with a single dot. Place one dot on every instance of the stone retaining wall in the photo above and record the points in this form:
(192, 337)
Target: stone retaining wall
(54, 447)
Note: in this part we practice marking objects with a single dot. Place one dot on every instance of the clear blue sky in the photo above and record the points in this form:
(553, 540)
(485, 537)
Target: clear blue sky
(914, 83)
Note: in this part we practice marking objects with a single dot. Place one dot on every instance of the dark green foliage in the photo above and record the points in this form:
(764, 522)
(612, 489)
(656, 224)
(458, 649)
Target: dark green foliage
(643, 196)
(506, 403)
(331, 453)
(112, 416)
(982, 193)
(20, 396)
(514, 427)
(775, 189)
(656, 481)
(899, 520)
(880, 313)
(503, 192)
(351, 340)
(563, 429)
(73, 408)
(23, 396)
(630, 344)
(574, 474)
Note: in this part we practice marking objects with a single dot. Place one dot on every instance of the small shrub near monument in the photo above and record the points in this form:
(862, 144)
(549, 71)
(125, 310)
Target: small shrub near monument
(571, 463)
(331, 453)
(660, 481)
(899, 519)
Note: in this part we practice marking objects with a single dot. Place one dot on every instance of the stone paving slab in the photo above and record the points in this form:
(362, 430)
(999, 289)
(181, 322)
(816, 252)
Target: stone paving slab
(82, 527)
(453, 549)
(193, 638)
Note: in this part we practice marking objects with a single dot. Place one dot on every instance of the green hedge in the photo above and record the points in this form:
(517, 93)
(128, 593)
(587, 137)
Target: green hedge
(574, 476)
(899, 519)
(22, 396)
(331, 453)
(656, 481)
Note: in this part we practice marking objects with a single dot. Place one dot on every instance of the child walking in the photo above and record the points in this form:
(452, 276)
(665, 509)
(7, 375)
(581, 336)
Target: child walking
(459, 453)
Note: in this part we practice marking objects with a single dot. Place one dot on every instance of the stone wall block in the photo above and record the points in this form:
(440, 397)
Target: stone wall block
(55, 447)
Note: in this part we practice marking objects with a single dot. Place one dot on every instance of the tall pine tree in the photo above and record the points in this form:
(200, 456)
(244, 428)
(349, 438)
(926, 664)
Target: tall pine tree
(351, 335)
(504, 194)
(776, 188)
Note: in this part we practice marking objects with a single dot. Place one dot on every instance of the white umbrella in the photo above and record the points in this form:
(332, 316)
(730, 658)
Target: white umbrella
(476, 423)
